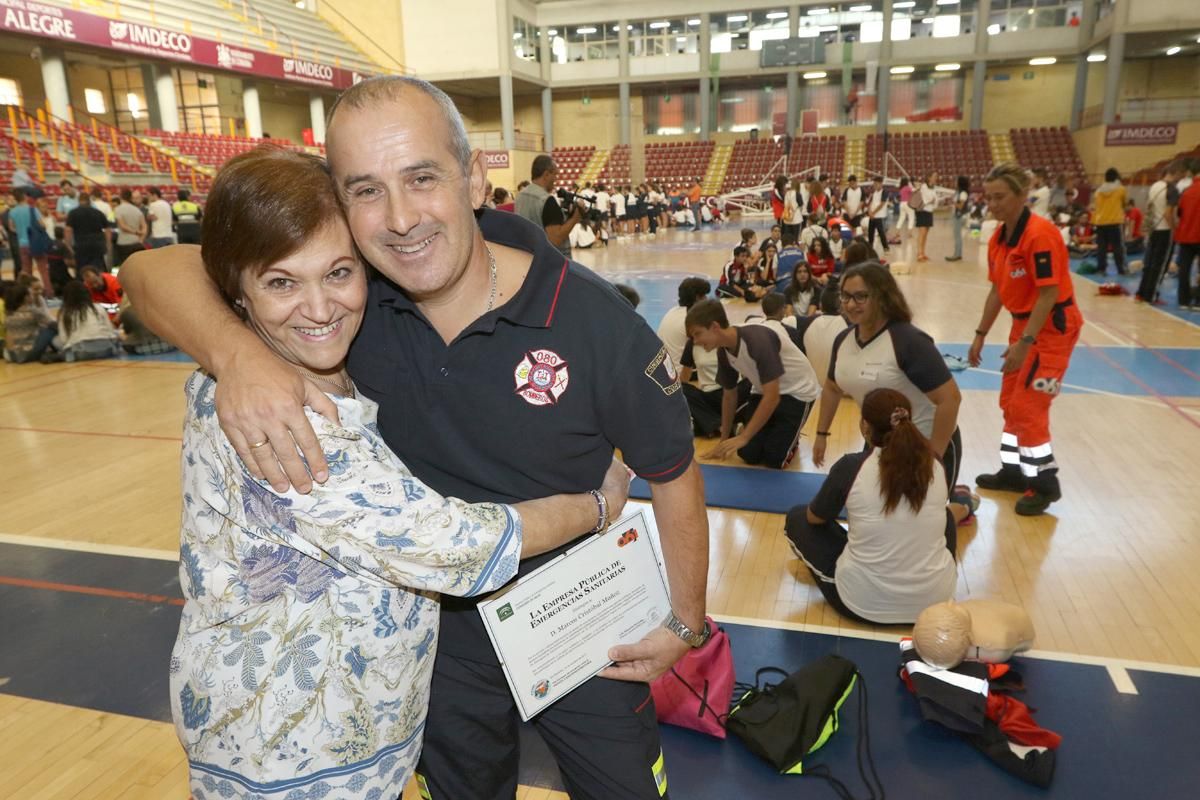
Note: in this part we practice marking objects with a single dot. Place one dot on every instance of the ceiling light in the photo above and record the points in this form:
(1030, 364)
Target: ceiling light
(736, 18)
(1173, 50)
(813, 11)
(616, 29)
(812, 76)
(654, 26)
(904, 4)
(693, 22)
(827, 28)
(518, 35)
(1096, 58)
(777, 15)
(681, 38)
(947, 2)
(552, 32)
(993, 29)
(948, 67)
(927, 21)
(1042, 62)
(902, 70)
(860, 8)
(587, 30)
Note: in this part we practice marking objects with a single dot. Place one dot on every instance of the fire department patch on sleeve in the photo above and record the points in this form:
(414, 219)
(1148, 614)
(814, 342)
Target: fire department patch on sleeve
(1042, 265)
(662, 371)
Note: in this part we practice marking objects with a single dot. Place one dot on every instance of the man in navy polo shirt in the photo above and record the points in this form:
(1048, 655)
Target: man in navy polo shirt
(502, 371)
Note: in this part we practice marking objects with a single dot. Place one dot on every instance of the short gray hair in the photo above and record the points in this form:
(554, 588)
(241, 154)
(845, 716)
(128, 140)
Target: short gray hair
(367, 92)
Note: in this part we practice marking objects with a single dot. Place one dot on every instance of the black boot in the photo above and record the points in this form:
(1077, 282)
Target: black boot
(1043, 490)
(1008, 479)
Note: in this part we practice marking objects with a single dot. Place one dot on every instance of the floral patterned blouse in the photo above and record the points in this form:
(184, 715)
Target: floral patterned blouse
(306, 646)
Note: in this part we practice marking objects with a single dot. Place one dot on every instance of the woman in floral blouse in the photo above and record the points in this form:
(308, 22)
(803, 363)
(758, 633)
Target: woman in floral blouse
(305, 649)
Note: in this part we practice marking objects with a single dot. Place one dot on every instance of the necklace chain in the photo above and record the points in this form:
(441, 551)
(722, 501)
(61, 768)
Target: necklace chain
(492, 270)
(345, 388)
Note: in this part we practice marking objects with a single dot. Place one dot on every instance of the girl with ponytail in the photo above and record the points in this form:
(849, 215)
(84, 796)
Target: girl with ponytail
(898, 555)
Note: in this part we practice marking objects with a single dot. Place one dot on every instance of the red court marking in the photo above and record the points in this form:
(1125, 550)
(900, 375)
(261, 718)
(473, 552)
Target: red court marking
(1186, 416)
(99, 591)
(40, 374)
(95, 433)
(1166, 359)
(167, 365)
(52, 383)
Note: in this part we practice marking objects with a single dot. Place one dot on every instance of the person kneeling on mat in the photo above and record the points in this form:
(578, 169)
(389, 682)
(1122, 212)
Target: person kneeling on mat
(898, 556)
(783, 385)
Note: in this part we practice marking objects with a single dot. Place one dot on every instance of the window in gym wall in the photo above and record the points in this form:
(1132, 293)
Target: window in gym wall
(670, 112)
(127, 99)
(747, 30)
(10, 92)
(1021, 15)
(93, 100)
(589, 42)
(663, 36)
(526, 40)
(199, 108)
(934, 18)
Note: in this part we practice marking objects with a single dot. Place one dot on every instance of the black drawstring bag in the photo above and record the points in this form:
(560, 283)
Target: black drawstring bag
(787, 721)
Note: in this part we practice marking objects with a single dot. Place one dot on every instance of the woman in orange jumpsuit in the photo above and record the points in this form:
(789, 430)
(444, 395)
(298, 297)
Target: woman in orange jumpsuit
(1031, 278)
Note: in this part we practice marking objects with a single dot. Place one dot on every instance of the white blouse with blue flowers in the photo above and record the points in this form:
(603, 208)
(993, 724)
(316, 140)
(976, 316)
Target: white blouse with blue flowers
(305, 650)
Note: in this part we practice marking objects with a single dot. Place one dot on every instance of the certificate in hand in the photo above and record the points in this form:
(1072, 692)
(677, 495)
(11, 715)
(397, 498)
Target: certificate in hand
(553, 628)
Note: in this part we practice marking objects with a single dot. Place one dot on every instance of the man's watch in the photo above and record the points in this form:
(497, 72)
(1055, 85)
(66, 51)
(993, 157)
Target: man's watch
(675, 625)
(1027, 339)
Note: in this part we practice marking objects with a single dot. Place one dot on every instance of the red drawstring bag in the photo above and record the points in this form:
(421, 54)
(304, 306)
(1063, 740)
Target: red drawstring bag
(698, 690)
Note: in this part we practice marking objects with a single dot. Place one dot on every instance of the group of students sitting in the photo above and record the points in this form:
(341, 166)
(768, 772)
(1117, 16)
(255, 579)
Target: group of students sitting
(753, 386)
(94, 320)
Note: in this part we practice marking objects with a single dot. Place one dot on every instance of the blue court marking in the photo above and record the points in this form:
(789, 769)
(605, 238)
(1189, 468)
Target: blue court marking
(177, 356)
(659, 290)
(1090, 370)
(771, 490)
(112, 655)
(1168, 291)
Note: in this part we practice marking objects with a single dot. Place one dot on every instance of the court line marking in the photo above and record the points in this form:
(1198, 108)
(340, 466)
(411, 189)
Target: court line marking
(40, 386)
(147, 436)
(802, 627)
(1121, 680)
(1043, 655)
(1186, 409)
(96, 591)
(1149, 390)
(1101, 324)
(40, 374)
(89, 547)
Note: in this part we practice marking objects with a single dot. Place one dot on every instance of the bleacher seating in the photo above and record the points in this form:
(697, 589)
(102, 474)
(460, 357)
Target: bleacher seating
(948, 153)
(616, 171)
(750, 163)
(211, 150)
(829, 152)
(1051, 148)
(571, 162)
(677, 164)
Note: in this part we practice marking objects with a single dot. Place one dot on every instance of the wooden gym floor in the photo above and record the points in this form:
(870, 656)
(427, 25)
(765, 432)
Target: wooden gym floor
(89, 461)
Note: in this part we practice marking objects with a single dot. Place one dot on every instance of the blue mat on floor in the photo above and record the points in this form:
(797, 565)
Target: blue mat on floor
(749, 489)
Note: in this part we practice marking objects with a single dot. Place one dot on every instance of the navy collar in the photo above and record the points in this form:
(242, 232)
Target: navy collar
(534, 304)
(1018, 230)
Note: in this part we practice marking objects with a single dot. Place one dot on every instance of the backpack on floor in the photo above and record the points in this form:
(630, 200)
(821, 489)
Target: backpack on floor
(786, 722)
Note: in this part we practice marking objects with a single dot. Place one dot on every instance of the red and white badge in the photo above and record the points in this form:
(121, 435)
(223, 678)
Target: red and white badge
(541, 377)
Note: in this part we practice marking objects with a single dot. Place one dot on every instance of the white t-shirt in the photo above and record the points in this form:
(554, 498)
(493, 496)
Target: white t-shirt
(902, 357)
(1041, 201)
(766, 353)
(896, 564)
(1157, 200)
(929, 196)
(160, 226)
(817, 335)
(852, 200)
(602, 202)
(878, 205)
(673, 334)
(793, 208)
(93, 325)
(618, 201)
